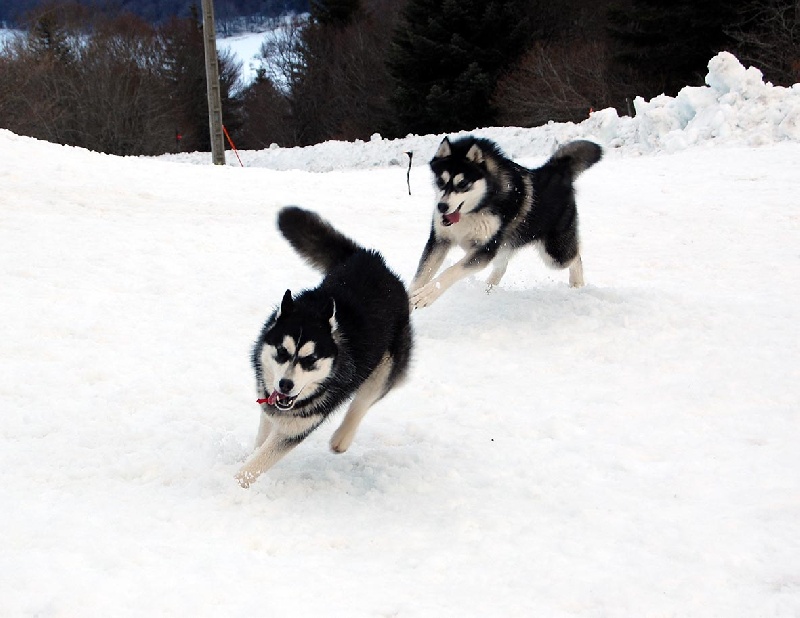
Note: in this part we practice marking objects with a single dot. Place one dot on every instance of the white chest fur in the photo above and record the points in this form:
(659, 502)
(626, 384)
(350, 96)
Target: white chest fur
(473, 229)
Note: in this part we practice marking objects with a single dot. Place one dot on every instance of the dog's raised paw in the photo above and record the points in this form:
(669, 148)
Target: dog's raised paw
(424, 296)
(244, 478)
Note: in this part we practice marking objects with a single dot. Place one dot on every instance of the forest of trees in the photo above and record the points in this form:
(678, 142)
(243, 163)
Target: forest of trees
(125, 83)
(16, 12)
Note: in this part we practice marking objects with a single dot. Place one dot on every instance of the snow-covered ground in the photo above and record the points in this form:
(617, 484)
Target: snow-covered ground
(629, 449)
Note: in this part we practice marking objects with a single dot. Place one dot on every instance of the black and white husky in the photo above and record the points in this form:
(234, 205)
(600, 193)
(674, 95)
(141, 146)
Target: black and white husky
(491, 207)
(348, 337)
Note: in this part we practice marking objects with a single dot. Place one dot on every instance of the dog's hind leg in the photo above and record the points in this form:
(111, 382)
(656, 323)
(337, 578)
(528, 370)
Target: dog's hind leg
(576, 272)
(562, 251)
(371, 391)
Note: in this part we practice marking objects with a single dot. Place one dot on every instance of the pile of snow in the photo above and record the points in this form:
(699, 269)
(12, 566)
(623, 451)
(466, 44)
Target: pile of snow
(626, 449)
(736, 106)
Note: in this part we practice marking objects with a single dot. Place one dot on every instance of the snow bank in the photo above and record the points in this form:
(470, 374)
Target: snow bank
(736, 107)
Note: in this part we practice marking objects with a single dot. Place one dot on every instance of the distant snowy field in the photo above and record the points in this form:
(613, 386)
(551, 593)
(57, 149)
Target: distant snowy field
(629, 449)
(245, 48)
(6, 34)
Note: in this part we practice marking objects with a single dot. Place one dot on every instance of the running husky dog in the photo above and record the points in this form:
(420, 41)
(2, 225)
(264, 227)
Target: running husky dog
(350, 336)
(491, 207)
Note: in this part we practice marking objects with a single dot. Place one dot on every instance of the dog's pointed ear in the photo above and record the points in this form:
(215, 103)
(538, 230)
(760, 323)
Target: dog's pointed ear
(330, 313)
(475, 154)
(286, 304)
(444, 150)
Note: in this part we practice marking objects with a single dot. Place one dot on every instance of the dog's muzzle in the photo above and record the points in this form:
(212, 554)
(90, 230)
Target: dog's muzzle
(279, 400)
(451, 218)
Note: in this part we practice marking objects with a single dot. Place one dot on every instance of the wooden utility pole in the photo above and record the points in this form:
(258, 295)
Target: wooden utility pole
(212, 84)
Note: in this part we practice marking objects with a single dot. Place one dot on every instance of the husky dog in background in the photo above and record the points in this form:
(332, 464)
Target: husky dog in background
(491, 207)
(348, 337)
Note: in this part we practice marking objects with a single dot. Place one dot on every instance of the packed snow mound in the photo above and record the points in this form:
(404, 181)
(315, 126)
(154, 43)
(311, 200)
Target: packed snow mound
(736, 107)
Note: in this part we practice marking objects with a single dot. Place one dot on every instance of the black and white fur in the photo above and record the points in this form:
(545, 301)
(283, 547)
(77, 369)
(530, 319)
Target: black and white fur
(348, 337)
(491, 207)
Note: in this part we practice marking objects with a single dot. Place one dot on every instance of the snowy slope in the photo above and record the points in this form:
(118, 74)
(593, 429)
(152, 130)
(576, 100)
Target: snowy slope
(246, 49)
(629, 449)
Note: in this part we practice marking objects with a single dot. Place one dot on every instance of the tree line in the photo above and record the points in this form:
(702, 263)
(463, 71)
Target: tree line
(115, 82)
(110, 83)
(16, 12)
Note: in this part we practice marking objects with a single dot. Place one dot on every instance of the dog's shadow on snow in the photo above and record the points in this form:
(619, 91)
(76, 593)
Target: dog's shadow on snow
(469, 310)
(387, 459)
(368, 469)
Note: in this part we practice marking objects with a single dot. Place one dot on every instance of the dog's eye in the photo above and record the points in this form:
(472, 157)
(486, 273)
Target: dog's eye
(441, 182)
(282, 356)
(463, 185)
(308, 362)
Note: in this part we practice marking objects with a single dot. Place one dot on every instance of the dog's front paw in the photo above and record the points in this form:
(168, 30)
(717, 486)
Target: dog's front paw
(426, 295)
(245, 477)
(341, 440)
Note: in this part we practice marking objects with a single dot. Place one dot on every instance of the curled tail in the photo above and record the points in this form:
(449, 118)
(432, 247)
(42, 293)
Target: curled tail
(579, 155)
(314, 238)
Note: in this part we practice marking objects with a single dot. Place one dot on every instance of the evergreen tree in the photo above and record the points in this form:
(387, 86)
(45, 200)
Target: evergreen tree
(334, 12)
(668, 43)
(339, 89)
(186, 74)
(266, 116)
(446, 58)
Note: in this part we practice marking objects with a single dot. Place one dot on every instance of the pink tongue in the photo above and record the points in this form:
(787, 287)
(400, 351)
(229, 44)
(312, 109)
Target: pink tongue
(453, 217)
(275, 396)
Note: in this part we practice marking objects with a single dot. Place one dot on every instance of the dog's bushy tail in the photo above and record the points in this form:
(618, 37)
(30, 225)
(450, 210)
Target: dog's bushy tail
(314, 238)
(579, 155)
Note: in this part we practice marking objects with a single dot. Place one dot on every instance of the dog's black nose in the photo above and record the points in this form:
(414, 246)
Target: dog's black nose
(443, 207)
(285, 385)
